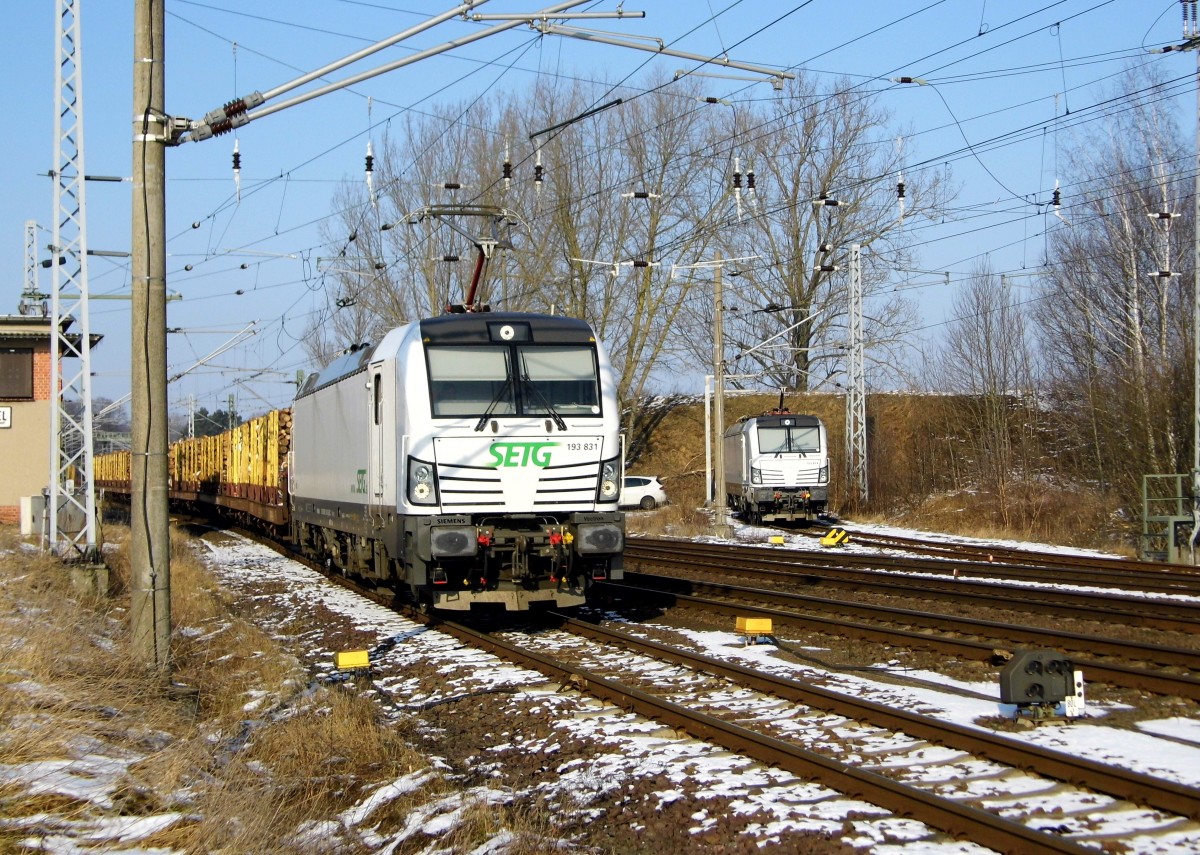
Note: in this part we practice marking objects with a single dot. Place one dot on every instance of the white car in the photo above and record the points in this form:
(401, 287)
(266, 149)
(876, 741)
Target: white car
(642, 491)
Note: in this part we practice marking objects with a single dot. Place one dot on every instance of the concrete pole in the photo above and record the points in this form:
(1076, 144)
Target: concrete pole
(1195, 539)
(720, 503)
(149, 535)
(708, 468)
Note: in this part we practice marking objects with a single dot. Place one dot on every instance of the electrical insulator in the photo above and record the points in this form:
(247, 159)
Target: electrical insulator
(900, 189)
(750, 181)
(449, 258)
(711, 100)
(507, 173)
(737, 180)
(538, 173)
(1056, 203)
(370, 173)
(825, 248)
(237, 170)
(452, 185)
(641, 263)
(640, 194)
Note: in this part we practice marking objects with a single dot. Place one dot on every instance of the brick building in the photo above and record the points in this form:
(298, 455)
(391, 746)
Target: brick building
(25, 409)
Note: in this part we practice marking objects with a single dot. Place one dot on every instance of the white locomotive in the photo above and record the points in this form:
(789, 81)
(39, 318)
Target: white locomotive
(777, 467)
(475, 458)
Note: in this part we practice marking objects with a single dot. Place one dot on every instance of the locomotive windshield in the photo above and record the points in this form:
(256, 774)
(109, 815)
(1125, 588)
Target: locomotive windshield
(555, 380)
(789, 439)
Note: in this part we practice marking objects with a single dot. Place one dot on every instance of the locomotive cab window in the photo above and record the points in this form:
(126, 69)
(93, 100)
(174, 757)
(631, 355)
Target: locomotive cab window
(559, 379)
(789, 440)
(517, 379)
(467, 381)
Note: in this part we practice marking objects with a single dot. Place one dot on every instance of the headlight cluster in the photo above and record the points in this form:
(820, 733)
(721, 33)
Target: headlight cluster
(823, 475)
(422, 482)
(755, 475)
(609, 488)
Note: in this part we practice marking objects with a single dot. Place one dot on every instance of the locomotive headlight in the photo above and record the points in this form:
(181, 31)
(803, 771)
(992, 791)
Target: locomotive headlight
(755, 475)
(453, 541)
(599, 537)
(610, 479)
(422, 482)
(823, 474)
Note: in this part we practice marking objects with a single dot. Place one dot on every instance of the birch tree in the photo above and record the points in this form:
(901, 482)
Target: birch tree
(1115, 328)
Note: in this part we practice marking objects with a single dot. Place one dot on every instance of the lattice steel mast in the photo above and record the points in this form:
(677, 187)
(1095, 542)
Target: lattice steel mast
(856, 396)
(32, 300)
(71, 482)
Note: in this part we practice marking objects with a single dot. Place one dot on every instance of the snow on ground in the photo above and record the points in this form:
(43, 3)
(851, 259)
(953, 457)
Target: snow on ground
(1169, 748)
(643, 748)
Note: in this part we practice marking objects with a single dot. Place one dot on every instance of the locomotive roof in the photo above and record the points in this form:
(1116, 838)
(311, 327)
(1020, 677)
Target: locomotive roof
(781, 419)
(467, 328)
(353, 360)
(475, 327)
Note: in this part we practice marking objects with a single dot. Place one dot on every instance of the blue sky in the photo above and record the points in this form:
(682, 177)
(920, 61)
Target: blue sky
(997, 67)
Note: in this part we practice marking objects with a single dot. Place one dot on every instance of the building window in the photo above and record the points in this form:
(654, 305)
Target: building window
(16, 373)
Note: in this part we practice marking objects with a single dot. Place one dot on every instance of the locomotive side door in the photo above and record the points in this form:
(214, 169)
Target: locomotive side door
(377, 424)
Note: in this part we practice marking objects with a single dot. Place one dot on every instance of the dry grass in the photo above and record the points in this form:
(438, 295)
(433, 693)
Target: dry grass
(68, 681)
(1036, 513)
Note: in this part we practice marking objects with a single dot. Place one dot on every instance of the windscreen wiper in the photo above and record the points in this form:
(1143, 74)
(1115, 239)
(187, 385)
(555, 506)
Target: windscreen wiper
(537, 393)
(487, 414)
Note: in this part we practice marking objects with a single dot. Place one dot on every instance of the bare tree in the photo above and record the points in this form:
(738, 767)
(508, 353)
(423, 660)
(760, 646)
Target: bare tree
(825, 174)
(1114, 328)
(987, 360)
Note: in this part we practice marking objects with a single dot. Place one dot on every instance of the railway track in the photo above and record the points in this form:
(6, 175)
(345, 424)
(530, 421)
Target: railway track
(733, 731)
(1112, 781)
(785, 569)
(1157, 668)
(935, 633)
(1006, 554)
(909, 778)
(1114, 573)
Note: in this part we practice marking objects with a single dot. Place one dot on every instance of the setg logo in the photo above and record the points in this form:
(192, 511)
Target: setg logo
(521, 453)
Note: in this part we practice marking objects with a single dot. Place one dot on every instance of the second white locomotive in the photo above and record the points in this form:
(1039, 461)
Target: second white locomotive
(475, 458)
(777, 467)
